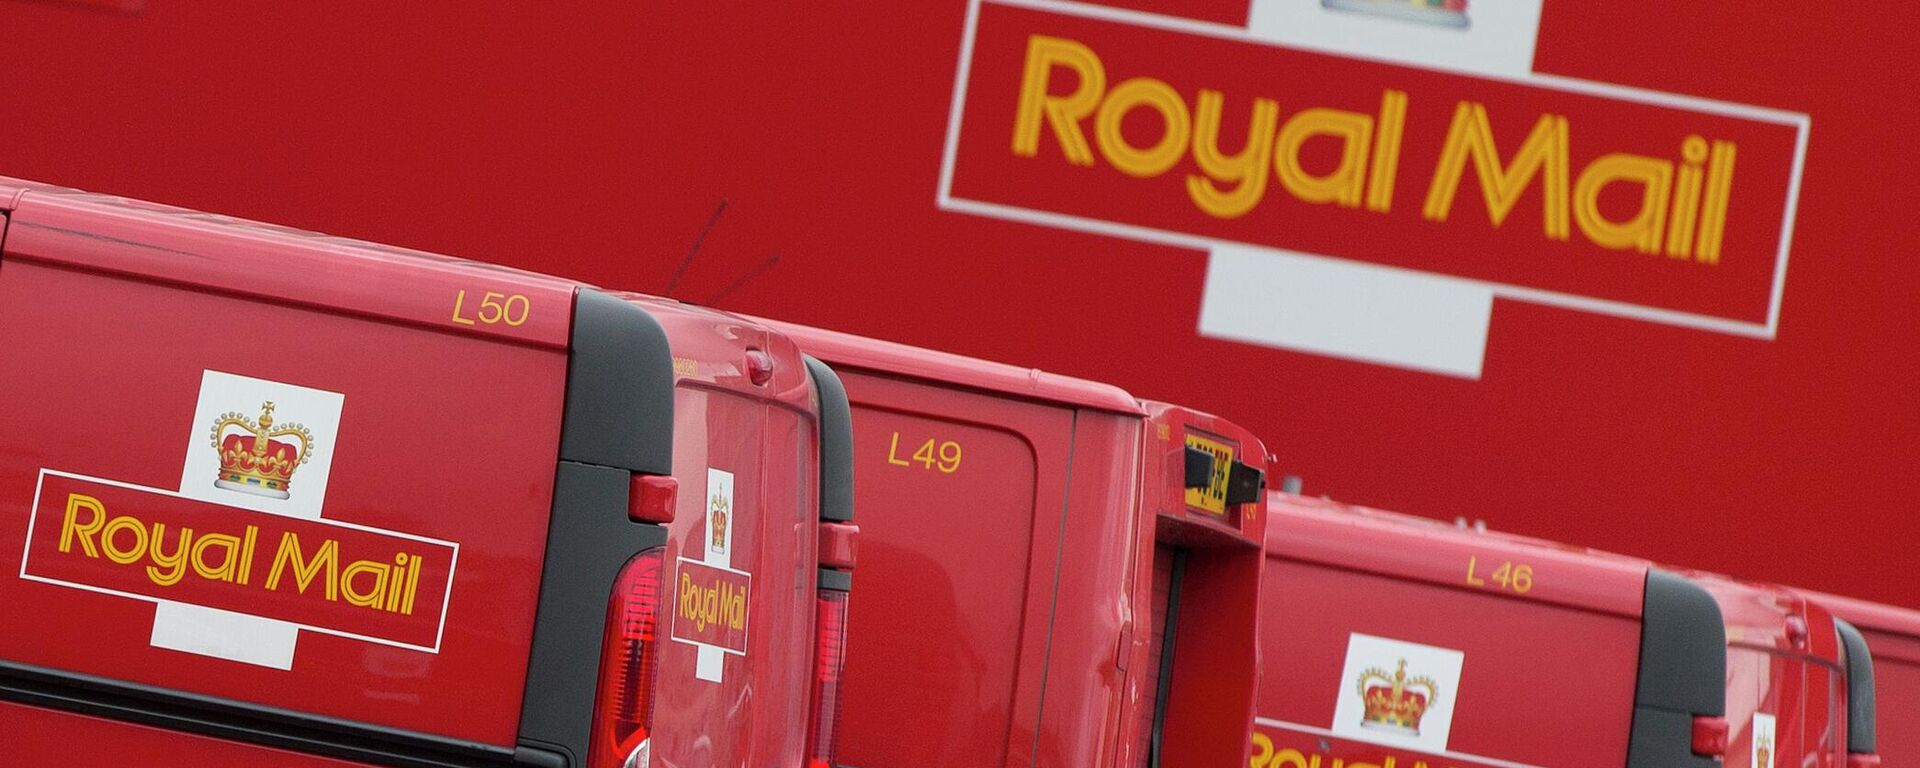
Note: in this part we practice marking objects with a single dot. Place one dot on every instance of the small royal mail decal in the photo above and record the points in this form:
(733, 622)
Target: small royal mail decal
(712, 606)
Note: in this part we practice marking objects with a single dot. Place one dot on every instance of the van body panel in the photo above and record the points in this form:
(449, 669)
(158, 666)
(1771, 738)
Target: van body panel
(1086, 673)
(1349, 597)
(850, 351)
(419, 401)
(955, 589)
(440, 446)
(1893, 637)
(1785, 674)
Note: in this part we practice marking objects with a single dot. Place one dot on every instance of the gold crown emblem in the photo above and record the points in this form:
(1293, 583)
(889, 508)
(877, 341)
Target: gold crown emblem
(717, 522)
(1763, 751)
(253, 456)
(1395, 702)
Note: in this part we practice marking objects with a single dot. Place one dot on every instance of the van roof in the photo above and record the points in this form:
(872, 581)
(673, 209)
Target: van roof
(102, 232)
(1756, 610)
(1408, 547)
(1879, 617)
(848, 350)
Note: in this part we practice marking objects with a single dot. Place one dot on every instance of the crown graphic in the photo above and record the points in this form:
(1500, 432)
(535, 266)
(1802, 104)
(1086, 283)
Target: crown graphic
(258, 456)
(717, 522)
(1763, 751)
(1395, 702)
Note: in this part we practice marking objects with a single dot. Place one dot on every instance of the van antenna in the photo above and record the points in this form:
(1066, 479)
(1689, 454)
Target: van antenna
(751, 274)
(695, 250)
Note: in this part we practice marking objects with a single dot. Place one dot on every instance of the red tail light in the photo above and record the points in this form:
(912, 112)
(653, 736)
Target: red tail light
(829, 648)
(629, 661)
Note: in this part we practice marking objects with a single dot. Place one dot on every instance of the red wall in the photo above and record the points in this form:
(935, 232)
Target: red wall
(597, 143)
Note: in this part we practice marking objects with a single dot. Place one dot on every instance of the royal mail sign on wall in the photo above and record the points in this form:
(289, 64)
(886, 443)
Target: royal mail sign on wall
(1600, 198)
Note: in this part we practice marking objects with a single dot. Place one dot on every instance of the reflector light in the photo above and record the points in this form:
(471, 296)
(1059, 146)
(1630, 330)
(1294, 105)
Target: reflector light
(830, 634)
(629, 662)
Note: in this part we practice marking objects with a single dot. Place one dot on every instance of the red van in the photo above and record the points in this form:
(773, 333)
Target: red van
(286, 499)
(1461, 646)
(1051, 573)
(1389, 640)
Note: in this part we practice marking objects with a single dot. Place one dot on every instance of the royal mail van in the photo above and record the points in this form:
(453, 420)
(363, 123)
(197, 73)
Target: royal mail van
(286, 499)
(1670, 667)
(1800, 682)
(1387, 642)
(1051, 572)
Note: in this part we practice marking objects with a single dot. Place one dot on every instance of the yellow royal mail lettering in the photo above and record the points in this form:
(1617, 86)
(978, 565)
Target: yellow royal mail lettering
(1289, 748)
(1680, 208)
(712, 606)
(168, 555)
(719, 604)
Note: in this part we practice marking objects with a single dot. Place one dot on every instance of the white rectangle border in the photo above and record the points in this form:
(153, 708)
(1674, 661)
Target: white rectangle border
(675, 621)
(445, 603)
(1800, 121)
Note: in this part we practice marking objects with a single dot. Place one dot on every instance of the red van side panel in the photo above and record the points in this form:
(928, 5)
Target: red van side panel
(1896, 677)
(1081, 725)
(1540, 684)
(1893, 640)
(1546, 663)
(443, 436)
(960, 497)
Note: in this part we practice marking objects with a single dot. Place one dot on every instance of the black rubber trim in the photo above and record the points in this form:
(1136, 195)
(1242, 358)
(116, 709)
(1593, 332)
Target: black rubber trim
(1245, 483)
(836, 444)
(1199, 468)
(1683, 673)
(1862, 714)
(1169, 633)
(239, 721)
(838, 580)
(589, 540)
(619, 388)
(619, 422)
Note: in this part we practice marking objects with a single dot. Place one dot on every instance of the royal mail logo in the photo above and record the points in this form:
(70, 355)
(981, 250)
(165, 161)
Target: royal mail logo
(322, 575)
(711, 609)
(1654, 206)
(1397, 693)
(1394, 701)
(239, 559)
(257, 456)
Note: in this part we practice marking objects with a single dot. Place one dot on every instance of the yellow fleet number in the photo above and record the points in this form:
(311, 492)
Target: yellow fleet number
(934, 454)
(494, 308)
(1509, 575)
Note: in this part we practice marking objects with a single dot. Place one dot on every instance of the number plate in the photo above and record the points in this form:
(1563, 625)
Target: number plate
(1213, 498)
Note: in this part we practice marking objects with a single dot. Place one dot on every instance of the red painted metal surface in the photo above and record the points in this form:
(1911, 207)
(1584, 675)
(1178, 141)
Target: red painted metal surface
(115, 312)
(1783, 661)
(1526, 648)
(1003, 599)
(447, 380)
(1893, 639)
(948, 628)
(957, 370)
